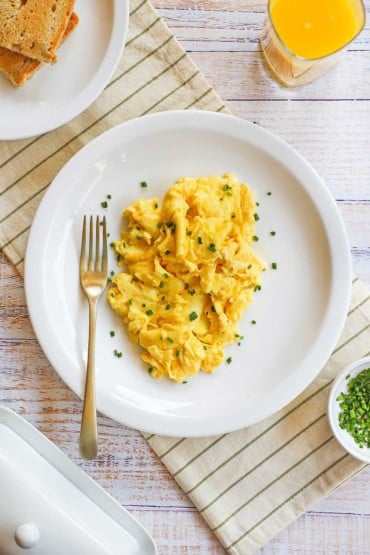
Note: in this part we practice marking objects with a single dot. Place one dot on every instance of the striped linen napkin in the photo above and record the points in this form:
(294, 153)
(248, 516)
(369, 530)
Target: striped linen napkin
(250, 484)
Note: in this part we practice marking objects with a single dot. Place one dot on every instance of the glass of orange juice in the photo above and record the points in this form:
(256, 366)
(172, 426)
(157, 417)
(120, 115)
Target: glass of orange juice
(301, 39)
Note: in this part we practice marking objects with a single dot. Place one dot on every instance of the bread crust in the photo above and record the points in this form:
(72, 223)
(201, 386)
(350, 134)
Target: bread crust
(19, 68)
(34, 28)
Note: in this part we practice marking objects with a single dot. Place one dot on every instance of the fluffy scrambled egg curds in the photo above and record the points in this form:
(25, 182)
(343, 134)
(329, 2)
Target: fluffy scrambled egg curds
(190, 271)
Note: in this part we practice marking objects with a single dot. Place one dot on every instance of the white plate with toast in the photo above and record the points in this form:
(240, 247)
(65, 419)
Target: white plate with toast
(298, 314)
(58, 92)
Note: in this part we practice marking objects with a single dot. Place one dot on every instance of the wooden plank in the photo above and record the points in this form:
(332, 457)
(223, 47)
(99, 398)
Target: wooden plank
(234, 29)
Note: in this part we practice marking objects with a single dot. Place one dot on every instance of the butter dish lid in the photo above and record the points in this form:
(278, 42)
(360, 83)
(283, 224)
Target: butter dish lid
(49, 506)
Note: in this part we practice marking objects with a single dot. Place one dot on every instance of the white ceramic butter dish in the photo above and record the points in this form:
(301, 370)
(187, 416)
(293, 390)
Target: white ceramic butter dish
(48, 506)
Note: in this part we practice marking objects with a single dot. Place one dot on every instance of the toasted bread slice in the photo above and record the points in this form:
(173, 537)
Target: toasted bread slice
(34, 28)
(18, 68)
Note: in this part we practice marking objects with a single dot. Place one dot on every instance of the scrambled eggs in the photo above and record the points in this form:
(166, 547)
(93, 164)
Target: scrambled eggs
(191, 271)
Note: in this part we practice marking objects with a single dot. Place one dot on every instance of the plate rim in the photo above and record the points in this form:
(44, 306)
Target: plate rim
(339, 251)
(89, 94)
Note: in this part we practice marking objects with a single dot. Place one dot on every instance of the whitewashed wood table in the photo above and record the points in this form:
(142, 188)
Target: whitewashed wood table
(329, 123)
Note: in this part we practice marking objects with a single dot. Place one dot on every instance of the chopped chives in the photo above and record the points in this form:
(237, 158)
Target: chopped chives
(112, 333)
(274, 266)
(354, 415)
(167, 251)
(104, 204)
(200, 241)
(168, 306)
(193, 316)
(273, 233)
(143, 184)
(255, 238)
(212, 247)
(229, 360)
(256, 217)
(149, 312)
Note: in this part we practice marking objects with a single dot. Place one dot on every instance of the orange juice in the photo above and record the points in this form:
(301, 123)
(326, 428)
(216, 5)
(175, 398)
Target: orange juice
(315, 28)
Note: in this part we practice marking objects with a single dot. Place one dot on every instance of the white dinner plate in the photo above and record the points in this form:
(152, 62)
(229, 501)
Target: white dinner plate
(299, 312)
(59, 92)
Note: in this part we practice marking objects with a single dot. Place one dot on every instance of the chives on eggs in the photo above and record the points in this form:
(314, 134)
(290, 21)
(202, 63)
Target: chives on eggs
(212, 247)
(193, 316)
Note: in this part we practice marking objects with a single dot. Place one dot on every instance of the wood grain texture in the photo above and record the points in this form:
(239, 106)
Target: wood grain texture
(329, 123)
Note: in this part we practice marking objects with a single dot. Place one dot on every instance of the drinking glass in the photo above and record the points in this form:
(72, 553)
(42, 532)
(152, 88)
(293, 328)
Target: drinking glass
(293, 69)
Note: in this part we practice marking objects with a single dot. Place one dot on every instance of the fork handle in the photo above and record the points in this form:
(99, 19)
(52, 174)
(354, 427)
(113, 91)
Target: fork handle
(89, 429)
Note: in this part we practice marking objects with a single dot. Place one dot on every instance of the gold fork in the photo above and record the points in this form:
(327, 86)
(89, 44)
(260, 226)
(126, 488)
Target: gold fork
(93, 278)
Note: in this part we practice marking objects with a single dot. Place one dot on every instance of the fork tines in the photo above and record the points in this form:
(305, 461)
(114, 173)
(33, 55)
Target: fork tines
(96, 261)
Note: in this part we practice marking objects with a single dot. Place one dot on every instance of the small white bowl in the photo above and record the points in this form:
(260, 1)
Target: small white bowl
(340, 386)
